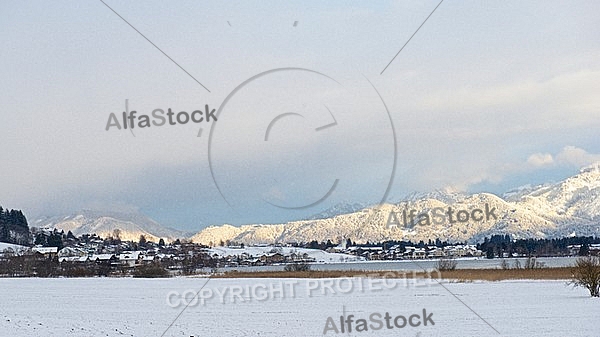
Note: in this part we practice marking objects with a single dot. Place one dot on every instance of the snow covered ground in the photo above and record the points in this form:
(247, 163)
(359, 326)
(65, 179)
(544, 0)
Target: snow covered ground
(15, 248)
(138, 307)
(320, 256)
(4, 245)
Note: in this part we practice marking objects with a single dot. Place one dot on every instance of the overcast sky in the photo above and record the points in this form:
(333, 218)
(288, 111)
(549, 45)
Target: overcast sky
(487, 96)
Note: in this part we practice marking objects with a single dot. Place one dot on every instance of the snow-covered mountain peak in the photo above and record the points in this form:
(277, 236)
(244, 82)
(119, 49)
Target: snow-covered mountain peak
(549, 210)
(593, 168)
(105, 223)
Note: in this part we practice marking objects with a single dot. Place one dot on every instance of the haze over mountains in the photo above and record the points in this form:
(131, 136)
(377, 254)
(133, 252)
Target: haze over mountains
(568, 207)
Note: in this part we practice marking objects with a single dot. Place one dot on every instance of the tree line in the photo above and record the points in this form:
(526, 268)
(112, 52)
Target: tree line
(501, 245)
(13, 227)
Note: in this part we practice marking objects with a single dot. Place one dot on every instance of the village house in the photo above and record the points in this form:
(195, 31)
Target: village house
(49, 252)
(272, 258)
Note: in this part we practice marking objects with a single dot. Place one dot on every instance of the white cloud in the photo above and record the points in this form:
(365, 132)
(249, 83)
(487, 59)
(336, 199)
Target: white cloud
(574, 156)
(540, 160)
(569, 156)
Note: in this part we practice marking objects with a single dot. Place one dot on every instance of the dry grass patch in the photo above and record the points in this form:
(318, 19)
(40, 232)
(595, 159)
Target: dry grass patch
(509, 274)
(307, 274)
(461, 275)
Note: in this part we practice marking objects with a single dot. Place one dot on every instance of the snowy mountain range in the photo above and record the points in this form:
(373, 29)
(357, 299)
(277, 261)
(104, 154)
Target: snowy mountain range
(569, 207)
(129, 225)
(566, 208)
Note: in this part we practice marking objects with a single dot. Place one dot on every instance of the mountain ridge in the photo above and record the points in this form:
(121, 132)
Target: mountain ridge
(568, 207)
(565, 208)
(130, 225)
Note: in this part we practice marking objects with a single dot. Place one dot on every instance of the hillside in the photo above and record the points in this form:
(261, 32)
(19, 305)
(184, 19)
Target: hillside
(129, 225)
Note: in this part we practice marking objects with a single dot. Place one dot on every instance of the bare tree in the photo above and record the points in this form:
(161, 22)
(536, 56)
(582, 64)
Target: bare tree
(586, 273)
(300, 266)
(117, 234)
(142, 242)
(446, 264)
(517, 264)
(532, 263)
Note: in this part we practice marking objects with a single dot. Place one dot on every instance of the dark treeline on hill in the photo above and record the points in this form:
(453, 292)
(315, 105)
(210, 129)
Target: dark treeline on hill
(501, 245)
(52, 239)
(13, 227)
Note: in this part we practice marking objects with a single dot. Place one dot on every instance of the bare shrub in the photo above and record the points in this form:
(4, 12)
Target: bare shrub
(532, 263)
(150, 271)
(446, 264)
(517, 264)
(586, 273)
(297, 267)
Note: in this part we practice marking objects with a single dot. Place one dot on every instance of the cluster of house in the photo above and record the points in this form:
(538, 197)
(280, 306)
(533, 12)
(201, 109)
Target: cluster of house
(82, 255)
(118, 255)
(129, 258)
(593, 249)
(396, 252)
(273, 257)
(90, 253)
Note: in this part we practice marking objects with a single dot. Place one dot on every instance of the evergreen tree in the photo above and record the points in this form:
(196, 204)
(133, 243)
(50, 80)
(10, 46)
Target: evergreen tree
(40, 239)
(55, 240)
(489, 253)
(584, 250)
(13, 227)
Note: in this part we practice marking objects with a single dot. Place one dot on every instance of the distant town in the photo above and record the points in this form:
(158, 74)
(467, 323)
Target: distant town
(54, 254)
(42, 252)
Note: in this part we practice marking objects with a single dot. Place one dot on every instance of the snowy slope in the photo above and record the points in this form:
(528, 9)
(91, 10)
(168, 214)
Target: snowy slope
(16, 248)
(341, 208)
(130, 225)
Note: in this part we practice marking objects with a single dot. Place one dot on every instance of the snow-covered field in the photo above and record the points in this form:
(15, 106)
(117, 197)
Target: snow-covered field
(14, 247)
(138, 307)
